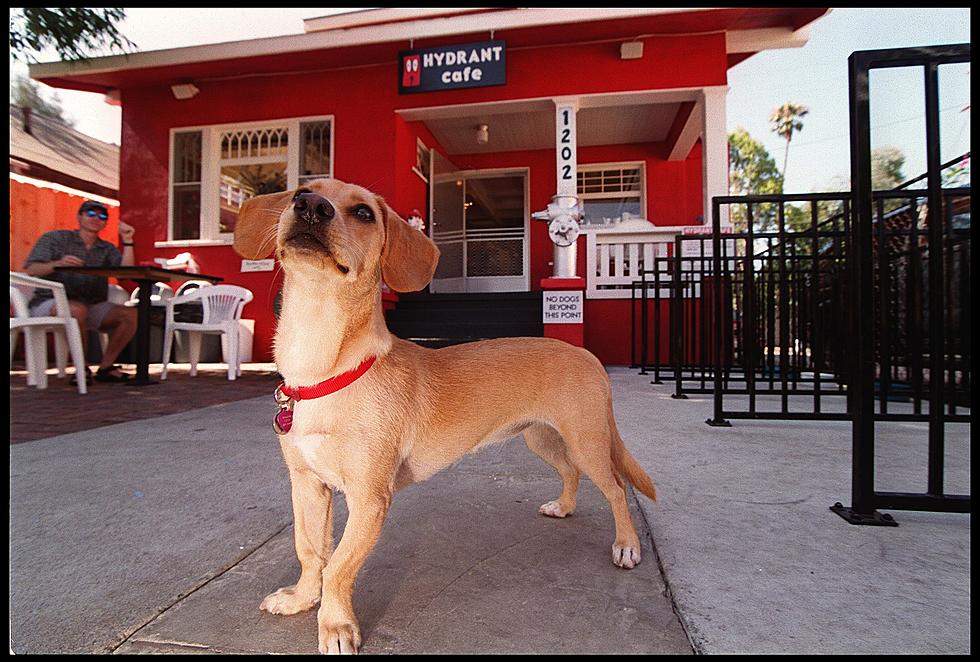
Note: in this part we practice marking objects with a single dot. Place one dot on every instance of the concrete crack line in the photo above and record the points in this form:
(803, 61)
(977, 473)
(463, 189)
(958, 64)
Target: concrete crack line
(111, 648)
(668, 590)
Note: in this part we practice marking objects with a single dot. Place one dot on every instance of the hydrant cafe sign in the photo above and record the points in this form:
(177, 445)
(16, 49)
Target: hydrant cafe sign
(479, 64)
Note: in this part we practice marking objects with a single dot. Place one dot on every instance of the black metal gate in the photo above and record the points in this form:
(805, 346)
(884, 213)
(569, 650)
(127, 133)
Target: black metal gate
(850, 306)
(936, 351)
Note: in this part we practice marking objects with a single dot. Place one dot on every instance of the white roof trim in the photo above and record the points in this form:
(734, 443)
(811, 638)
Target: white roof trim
(364, 17)
(754, 41)
(355, 36)
(40, 183)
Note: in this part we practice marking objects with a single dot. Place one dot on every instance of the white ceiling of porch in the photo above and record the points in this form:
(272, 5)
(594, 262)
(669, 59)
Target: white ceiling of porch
(529, 125)
(536, 130)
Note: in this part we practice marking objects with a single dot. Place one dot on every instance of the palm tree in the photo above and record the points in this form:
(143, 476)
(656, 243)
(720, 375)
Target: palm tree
(785, 120)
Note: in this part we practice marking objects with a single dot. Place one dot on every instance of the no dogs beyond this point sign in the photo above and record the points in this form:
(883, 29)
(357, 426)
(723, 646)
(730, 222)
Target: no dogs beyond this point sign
(562, 307)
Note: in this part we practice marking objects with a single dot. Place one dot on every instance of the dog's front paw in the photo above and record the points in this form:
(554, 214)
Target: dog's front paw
(339, 638)
(626, 555)
(288, 601)
(555, 509)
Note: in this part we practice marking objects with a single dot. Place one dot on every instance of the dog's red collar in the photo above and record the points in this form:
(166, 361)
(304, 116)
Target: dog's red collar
(327, 386)
(286, 397)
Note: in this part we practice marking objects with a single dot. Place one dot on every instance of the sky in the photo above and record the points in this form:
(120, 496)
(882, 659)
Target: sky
(815, 76)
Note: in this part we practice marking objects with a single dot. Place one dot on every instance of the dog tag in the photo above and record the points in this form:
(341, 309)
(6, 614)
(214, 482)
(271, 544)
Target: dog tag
(283, 421)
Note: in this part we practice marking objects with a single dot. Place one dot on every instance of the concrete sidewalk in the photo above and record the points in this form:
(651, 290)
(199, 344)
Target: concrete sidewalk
(163, 536)
(755, 560)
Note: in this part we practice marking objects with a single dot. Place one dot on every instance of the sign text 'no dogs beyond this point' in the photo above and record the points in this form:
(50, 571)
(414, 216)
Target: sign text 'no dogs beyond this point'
(562, 307)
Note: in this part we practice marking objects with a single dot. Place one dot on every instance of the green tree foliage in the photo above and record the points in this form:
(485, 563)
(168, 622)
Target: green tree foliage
(25, 93)
(752, 171)
(785, 121)
(886, 168)
(71, 31)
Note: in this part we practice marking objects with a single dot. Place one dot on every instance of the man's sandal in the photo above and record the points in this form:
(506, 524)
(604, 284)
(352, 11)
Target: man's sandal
(105, 374)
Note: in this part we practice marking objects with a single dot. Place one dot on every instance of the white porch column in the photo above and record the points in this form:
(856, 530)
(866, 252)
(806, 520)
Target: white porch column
(566, 145)
(566, 158)
(563, 295)
(714, 148)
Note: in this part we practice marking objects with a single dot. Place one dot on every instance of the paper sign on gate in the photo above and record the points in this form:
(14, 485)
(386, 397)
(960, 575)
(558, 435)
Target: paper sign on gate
(562, 307)
(726, 228)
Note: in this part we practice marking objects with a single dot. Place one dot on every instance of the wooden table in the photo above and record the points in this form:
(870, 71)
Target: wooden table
(145, 277)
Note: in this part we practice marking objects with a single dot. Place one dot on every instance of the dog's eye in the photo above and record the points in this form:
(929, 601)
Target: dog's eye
(363, 213)
(301, 191)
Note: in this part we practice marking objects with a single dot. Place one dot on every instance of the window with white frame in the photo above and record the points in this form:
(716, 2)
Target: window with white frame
(215, 169)
(610, 193)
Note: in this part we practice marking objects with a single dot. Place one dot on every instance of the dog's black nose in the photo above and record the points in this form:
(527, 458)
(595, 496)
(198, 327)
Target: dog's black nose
(312, 208)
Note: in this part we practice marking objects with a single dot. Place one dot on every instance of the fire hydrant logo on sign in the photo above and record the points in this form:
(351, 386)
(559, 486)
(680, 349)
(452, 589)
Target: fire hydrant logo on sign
(478, 64)
(411, 77)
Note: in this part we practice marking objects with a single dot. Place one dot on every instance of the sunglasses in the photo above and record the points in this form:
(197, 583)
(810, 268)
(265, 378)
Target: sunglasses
(92, 213)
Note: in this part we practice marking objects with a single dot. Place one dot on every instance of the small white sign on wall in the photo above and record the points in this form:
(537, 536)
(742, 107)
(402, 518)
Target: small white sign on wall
(258, 265)
(562, 307)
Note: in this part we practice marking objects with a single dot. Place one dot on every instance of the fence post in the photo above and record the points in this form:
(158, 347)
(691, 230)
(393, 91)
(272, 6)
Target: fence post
(861, 308)
(677, 317)
(937, 254)
(721, 331)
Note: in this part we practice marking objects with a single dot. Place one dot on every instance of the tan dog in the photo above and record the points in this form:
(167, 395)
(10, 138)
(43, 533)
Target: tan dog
(382, 432)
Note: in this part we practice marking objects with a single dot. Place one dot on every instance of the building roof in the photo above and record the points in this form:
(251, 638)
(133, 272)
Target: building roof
(55, 152)
(377, 36)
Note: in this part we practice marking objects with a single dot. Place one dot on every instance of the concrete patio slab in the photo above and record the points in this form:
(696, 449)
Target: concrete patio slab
(163, 535)
(755, 560)
(175, 553)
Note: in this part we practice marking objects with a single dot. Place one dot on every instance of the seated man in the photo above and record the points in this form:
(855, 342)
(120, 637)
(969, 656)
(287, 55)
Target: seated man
(87, 295)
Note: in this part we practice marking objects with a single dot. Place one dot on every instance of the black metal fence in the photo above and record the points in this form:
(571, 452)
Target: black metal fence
(851, 306)
(778, 307)
(931, 269)
(752, 307)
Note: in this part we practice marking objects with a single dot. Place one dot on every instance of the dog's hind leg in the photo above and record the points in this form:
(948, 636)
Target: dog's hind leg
(589, 448)
(545, 442)
(313, 537)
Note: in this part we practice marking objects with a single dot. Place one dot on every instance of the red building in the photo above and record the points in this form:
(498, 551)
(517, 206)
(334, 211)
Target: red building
(453, 112)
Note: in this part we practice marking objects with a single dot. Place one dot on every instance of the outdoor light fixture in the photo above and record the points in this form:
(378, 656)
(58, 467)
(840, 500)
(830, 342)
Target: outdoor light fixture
(482, 134)
(631, 50)
(184, 91)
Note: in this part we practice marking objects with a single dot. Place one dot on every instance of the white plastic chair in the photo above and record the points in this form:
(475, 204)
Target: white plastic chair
(161, 292)
(190, 285)
(117, 294)
(222, 308)
(65, 328)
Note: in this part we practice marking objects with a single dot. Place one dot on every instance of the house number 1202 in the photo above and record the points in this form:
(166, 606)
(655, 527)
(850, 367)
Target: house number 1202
(566, 149)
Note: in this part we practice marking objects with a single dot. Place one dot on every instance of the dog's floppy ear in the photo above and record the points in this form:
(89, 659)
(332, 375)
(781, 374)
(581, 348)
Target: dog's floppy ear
(409, 258)
(255, 231)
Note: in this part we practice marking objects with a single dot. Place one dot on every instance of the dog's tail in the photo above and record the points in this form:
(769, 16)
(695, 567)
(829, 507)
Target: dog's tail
(626, 465)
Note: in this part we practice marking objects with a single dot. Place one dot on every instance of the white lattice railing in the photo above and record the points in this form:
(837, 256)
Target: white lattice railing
(233, 195)
(615, 255)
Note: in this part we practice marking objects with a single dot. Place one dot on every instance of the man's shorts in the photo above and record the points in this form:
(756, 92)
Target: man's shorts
(96, 312)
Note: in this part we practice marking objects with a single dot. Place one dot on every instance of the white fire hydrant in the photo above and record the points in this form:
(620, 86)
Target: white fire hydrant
(563, 215)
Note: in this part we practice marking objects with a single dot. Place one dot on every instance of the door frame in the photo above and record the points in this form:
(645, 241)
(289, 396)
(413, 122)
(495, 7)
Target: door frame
(492, 283)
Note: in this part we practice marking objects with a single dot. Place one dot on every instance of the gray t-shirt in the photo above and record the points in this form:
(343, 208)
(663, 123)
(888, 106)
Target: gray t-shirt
(56, 244)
